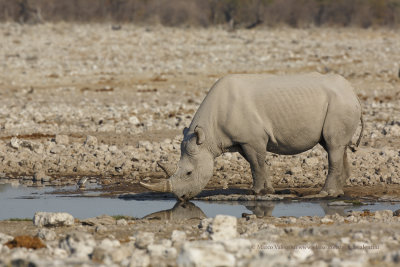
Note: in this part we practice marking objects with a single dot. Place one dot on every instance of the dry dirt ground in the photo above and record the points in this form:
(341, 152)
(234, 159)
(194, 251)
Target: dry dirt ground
(86, 100)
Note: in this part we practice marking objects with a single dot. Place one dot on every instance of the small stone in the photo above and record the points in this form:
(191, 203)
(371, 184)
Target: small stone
(291, 220)
(46, 234)
(120, 254)
(41, 176)
(223, 227)
(134, 120)
(79, 244)
(303, 254)
(204, 223)
(358, 235)
(204, 253)
(53, 219)
(100, 229)
(396, 213)
(122, 222)
(100, 220)
(14, 142)
(99, 254)
(383, 214)
(161, 251)
(146, 145)
(91, 141)
(107, 243)
(345, 240)
(326, 220)
(62, 139)
(143, 239)
(139, 258)
(311, 161)
(178, 237)
(5, 238)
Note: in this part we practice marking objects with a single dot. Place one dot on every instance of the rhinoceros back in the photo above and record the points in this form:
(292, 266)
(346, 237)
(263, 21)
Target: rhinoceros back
(288, 112)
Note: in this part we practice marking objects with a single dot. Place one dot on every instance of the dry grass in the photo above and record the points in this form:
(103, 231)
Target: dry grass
(238, 13)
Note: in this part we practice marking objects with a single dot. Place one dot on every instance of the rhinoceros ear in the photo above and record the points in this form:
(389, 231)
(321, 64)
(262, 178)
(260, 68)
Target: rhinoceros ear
(200, 135)
(185, 131)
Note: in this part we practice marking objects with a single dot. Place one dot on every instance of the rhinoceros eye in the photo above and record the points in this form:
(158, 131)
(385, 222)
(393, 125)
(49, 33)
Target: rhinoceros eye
(188, 173)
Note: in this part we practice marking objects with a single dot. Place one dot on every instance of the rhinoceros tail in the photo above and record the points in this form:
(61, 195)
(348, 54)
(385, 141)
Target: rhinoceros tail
(361, 132)
(352, 147)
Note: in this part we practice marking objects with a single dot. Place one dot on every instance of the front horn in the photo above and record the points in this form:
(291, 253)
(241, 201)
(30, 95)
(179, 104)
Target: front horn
(165, 186)
(168, 170)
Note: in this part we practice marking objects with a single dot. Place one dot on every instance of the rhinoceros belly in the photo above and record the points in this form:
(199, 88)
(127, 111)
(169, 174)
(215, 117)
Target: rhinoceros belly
(295, 119)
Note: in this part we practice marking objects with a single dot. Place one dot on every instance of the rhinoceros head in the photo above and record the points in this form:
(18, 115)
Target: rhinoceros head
(195, 168)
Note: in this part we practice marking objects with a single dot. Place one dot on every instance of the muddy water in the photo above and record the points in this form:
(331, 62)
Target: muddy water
(18, 201)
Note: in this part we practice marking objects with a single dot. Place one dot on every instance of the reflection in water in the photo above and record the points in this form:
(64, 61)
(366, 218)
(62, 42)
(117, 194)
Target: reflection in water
(180, 211)
(261, 209)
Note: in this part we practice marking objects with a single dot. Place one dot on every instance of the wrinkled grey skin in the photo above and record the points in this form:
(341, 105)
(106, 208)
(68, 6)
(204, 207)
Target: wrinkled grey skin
(254, 114)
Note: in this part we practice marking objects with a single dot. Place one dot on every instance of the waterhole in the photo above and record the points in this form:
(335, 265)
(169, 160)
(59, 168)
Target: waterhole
(17, 201)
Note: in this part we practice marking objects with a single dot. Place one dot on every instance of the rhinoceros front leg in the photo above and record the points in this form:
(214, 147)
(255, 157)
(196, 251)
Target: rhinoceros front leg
(261, 183)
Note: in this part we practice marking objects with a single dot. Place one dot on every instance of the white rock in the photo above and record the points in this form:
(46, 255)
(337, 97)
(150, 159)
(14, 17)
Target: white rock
(204, 223)
(345, 240)
(58, 252)
(78, 244)
(134, 120)
(166, 242)
(14, 142)
(5, 238)
(204, 253)
(326, 220)
(100, 229)
(53, 219)
(223, 227)
(146, 145)
(383, 214)
(178, 237)
(311, 161)
(91, 141)
(139, 259)
(122, 222)
(46, 234)
(303, 253)
(143, 239)
(120, 254)
(277, 259)
(107, 243)
(161, 251)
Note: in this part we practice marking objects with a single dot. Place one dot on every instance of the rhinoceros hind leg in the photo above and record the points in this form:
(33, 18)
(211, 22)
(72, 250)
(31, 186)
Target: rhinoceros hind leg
(334, 182)
(261, 183)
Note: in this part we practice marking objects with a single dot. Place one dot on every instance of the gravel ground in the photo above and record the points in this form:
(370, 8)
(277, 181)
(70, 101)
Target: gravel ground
(360, 239)
(86, 100)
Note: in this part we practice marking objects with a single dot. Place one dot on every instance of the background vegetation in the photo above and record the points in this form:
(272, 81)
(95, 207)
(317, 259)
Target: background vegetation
(205, 13)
